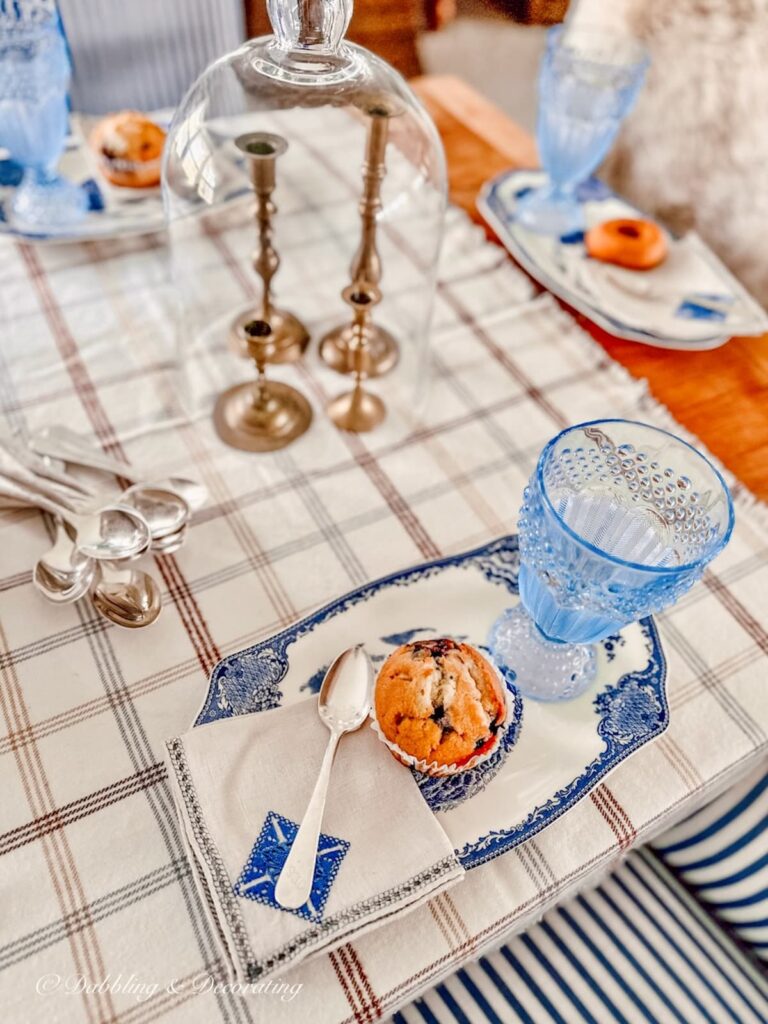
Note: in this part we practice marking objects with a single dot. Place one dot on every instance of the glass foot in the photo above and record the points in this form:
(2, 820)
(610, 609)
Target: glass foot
(550, 212)
(46, 203)
(544, 669)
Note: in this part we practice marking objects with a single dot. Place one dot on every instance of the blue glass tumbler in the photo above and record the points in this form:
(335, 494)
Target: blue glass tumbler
(34, 78)
(618, 521)
(588, 82)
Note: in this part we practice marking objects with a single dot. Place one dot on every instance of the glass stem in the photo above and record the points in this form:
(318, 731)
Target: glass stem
(541, 668)
(42, 175)
(563, 193)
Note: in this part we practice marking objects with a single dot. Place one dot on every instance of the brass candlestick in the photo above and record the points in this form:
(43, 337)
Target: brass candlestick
(383, 350)
(290, 336)
(358, 410)
(264, 416)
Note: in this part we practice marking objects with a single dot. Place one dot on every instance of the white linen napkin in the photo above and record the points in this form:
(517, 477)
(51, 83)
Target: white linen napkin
(689, 296)
(241, 787)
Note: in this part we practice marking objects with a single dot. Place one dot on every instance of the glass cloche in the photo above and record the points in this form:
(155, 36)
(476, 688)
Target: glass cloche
(304, 186)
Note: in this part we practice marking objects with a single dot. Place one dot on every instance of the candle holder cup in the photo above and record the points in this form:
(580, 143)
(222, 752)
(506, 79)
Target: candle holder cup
(266, 415)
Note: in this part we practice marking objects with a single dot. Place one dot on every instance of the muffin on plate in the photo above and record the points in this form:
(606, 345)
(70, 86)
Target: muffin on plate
(439, 705)
(130, 149)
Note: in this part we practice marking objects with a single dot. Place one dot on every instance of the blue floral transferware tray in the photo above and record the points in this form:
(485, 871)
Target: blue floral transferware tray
(551, 755)
(112, 211)
(690, 302)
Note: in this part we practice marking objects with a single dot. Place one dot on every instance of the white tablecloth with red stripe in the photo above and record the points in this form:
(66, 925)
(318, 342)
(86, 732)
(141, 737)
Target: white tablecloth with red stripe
(96, 889)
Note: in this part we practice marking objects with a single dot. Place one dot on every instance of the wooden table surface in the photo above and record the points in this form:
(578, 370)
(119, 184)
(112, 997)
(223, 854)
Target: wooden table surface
(721, 396)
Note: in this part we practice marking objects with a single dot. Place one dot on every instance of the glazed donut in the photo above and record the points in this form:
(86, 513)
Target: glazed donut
(635, 244)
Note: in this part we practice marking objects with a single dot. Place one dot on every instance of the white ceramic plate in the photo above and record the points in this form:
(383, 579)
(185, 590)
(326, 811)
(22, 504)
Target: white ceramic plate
(561, 267)
(551, 756)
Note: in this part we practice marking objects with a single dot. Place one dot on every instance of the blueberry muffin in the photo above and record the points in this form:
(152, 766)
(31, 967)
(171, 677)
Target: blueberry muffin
(130, 149)
(439, 702)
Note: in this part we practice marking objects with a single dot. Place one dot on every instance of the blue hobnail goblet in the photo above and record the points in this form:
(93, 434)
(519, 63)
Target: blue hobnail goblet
(588, 82)
(618, 521)
(34, 77)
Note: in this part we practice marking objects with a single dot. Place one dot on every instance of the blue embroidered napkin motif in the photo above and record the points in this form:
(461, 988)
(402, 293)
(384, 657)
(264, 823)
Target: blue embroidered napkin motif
(705, 306)
(259, 876)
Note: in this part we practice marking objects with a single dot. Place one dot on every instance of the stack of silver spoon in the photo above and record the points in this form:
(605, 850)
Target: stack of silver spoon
(99, 534)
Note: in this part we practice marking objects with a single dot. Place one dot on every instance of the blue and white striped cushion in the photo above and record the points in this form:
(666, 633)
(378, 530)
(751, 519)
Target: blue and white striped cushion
(144, 54)
(637, 949)
(721, 853)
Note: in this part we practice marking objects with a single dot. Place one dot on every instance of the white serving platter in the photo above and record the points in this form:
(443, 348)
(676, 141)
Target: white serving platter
(697, 304)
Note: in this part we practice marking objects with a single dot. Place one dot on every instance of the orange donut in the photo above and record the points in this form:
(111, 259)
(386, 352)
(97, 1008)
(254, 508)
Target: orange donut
(635, 244)
(130, 148)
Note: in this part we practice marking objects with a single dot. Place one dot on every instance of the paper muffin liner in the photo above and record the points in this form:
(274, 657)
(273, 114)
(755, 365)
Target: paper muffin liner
(141, 168)
(432, 767)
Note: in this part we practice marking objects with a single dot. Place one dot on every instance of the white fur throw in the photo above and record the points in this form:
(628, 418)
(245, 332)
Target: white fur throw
(694, 152)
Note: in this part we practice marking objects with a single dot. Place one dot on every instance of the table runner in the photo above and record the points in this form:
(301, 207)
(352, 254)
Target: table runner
(95, 887)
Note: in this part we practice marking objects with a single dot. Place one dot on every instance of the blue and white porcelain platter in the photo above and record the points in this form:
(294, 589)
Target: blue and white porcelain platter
(113, 212)
(692, 318)
(551, 755)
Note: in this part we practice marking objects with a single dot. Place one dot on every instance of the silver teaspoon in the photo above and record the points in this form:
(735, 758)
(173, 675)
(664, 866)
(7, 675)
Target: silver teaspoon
(344, 703)
(126, 596)
(112, 532)
(64, 574)
(164, 511)
(62, 443)
(168, 545)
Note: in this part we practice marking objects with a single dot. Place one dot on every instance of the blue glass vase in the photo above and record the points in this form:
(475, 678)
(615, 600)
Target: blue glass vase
(618, 521)
(588, 82)
(34, 115)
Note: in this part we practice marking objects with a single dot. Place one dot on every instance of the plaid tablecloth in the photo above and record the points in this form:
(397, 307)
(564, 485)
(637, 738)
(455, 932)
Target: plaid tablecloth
(100, 919)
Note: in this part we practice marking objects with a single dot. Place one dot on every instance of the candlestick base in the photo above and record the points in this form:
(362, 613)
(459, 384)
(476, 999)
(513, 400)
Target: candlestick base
(357, 411)
(383, 350)
(261, 421)
(289, 334)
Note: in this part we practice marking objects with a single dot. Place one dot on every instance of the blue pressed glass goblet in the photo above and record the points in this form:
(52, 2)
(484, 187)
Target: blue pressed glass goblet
(618, 521)
(588, 82)
(34, 76)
